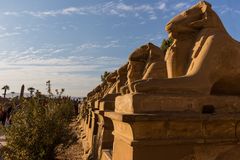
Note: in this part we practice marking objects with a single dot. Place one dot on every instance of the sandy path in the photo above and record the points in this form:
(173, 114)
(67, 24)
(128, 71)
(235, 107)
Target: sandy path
(72, 150)
(2, 140)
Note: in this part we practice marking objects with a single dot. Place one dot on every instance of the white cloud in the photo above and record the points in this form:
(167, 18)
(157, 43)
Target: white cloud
(111, 8)
(3, 28)
(11, 13)
(145, 8)
(58, 50)
(124, 7)
(7, 34)
(226, 9)
(42, 14)
(182, 5)
(70, 10)
(152, 17)
(237, 11)
(75, 85)
(162, 6)
(33, 67)
(18, 28)
(111, 44)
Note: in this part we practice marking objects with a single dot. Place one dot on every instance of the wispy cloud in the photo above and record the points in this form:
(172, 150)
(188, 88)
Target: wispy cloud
(124, 7)
(223, 9)
(120, 9)
(2, 28)
(84, 46)
(34, 65)
(162, 6)
(8, 34)
(10, 13)
(182, 5)
(152, 17)
(54, 13)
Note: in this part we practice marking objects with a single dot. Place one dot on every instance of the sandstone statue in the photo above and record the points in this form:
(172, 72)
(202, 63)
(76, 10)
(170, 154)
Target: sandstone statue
(144, 63)
(203, 59)
(122, 77)
(106, 87)
(111, 81)
(94, 94)
(170, 108)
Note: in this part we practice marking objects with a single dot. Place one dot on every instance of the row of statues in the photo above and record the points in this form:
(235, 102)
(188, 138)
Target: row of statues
(144, 63)
(203, 59)
(174, 93)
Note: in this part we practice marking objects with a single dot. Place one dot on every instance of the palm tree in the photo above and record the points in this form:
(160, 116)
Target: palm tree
(31, 90)
(5, 88)
(48, 84)
(62, 90)
(37, 93)
(22, 91)
(57, 92)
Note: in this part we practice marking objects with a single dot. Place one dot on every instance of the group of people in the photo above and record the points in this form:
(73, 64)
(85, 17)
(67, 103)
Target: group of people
(5, 113)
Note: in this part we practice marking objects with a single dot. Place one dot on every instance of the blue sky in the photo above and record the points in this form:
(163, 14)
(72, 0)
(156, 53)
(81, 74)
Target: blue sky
(72, 42)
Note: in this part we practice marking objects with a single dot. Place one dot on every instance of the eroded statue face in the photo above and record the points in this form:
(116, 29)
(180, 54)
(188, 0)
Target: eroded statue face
(188, 21)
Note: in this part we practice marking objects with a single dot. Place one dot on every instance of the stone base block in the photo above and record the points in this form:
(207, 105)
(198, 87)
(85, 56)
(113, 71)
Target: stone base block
(104, 137)
(110, 97)
(146, 103)
(174, 136)
(107, 106)
(96, 104)
(107, 103)
(124, 151)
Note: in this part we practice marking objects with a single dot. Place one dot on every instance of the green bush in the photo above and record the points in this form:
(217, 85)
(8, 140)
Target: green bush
(104, 75)
(166, 44)
(37, 128)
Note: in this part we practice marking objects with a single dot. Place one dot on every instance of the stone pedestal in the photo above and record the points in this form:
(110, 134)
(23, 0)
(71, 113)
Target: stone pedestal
(97, 132)
(104, 138)
(147, 103)
(87, 122)
(90, 135)
(96, 104)
(107, 103)
(173, 136)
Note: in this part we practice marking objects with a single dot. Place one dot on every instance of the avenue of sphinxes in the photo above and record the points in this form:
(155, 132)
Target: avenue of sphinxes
(180, 105)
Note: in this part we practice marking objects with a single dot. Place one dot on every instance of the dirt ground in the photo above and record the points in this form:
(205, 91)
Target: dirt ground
(72, 148)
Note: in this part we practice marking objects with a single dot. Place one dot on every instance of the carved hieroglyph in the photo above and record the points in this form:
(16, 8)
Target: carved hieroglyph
(203, 58)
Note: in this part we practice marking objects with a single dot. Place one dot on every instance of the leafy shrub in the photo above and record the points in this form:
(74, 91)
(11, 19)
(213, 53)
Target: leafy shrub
(104, 75)
(166, 43)
(37, 128)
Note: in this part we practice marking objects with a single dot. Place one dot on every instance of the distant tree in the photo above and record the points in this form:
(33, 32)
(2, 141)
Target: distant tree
(48, 84)
(12, 94)
(5, 88)
(105, 74)
(31, 90)
(37, 93)
(59, 93)
(22, 92)
(166, 43)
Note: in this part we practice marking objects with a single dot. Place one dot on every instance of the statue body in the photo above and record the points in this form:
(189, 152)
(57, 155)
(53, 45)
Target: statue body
(203, 58)
(146, 62)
